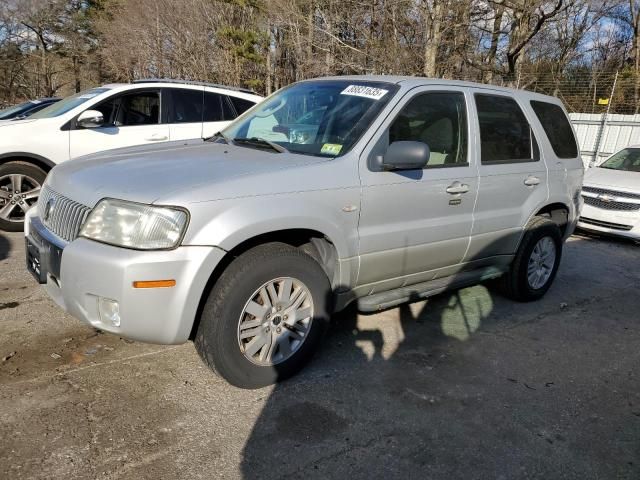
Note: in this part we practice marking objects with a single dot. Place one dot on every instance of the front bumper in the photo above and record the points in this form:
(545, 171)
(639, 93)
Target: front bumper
(610, 222)
(77, 274)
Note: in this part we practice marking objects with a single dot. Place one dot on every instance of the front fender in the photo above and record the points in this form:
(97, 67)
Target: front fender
(228, 223)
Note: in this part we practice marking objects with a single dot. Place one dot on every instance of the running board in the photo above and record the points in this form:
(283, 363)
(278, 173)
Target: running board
(420, 291)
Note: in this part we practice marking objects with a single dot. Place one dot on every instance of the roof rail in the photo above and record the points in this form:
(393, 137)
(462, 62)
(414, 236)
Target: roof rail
(193, 82)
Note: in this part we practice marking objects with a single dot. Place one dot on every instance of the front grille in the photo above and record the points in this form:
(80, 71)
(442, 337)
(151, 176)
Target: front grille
(613, 193)
(611, 204)
(600, 223)
(61, 215)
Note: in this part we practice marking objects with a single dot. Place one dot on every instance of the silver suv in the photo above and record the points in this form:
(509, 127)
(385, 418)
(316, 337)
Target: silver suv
(375, 190)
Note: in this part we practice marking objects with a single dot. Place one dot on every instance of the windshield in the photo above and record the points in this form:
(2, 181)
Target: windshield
(321, 117)
(14, 111)
(627, 160)
(69, 103)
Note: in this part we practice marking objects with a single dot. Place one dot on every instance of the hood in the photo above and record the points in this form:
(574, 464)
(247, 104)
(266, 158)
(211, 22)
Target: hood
(176, 172)
(15, 122)
(614, 179)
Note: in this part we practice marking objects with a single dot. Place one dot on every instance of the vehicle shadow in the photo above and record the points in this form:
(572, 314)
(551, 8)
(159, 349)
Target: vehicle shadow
(363, 392)
(447, 388)
(5, 247)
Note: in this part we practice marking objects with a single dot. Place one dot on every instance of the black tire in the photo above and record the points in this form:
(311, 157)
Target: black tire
(19, 168)
(216, 339)
(515, 283)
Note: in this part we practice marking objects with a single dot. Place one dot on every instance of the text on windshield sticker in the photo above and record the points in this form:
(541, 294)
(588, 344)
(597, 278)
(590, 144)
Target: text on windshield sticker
(364, 91)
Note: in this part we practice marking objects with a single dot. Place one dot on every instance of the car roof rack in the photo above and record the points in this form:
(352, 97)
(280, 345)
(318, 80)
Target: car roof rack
(193, 82)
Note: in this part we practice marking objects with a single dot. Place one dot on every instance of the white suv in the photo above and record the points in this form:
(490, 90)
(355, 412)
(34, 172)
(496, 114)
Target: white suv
(104, 118)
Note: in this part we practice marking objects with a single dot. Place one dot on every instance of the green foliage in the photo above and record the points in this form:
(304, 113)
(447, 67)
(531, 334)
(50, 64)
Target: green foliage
(246, 44)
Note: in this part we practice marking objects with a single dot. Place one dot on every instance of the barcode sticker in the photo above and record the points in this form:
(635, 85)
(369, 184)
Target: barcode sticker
(364, 91)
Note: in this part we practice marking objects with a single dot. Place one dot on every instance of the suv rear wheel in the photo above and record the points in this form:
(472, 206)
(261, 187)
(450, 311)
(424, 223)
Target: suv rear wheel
(536, 263)
(265, 316)
(20, 185)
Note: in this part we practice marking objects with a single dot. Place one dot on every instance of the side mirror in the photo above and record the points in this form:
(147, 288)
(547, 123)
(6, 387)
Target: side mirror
(90, 119)
(406, 155)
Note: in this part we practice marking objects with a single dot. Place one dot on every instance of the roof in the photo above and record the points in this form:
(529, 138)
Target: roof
(193, 82)
(411, 82)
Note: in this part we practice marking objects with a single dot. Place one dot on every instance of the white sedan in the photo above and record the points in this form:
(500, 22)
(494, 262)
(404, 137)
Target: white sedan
(611, 194)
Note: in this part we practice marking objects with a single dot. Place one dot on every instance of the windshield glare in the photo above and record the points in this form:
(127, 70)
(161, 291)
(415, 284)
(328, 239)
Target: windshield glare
(69, 103)
(323, 117)
(627, 160)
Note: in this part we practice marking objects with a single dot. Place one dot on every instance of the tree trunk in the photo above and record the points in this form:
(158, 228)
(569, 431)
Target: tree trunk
(433, 40)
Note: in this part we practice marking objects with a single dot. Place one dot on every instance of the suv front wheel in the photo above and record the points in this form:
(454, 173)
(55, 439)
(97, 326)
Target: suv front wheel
(265, 316)
(536, 263)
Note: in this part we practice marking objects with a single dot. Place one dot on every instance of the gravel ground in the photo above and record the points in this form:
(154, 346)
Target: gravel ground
(467, 385)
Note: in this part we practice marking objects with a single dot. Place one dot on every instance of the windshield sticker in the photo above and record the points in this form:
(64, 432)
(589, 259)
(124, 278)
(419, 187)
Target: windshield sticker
(331, 149)
(88, 95)
(364, 91)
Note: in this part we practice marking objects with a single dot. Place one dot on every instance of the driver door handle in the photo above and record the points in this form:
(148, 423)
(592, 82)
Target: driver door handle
(457, 187)
(156, 137)
(531, 181)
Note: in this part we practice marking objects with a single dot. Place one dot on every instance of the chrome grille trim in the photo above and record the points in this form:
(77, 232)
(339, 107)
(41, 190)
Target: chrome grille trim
(611, 205)
(65, 218)
(613, 193)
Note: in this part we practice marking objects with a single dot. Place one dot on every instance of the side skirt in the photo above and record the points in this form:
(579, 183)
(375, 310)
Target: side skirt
(420, 291)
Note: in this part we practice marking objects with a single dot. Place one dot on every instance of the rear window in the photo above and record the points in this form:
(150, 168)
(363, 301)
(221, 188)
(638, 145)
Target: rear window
(557, 127)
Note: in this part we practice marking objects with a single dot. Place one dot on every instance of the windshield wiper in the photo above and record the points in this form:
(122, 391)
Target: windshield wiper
(216, 135)
(260, 143)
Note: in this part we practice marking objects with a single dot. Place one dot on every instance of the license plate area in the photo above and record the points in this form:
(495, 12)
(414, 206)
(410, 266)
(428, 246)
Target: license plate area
(43, 257)
(36, 261)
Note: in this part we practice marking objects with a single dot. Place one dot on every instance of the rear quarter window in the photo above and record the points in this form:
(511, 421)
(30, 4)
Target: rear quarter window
(557, 127)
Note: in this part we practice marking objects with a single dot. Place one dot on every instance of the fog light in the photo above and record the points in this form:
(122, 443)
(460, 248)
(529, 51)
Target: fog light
(109, 311)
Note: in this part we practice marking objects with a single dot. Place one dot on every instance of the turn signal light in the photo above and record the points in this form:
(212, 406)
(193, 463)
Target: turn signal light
(154, 284)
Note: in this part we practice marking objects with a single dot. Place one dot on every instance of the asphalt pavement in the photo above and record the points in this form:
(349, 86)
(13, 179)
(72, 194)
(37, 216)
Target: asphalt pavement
(467, 385)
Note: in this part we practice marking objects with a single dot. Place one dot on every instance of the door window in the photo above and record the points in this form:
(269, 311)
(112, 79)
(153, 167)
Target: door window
(505, 133)
(185, 106)
(141, 108)
(217, 108)
(438, 119)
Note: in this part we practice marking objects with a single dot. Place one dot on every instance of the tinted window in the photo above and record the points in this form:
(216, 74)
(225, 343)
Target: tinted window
(141, 108)
(557, 128)
(217, 108)
(439, 120)
(108, 109)
(505, 134)
(241, 105)
(185, 106)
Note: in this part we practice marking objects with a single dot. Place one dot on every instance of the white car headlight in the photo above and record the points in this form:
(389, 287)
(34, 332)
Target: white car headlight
(135, 225)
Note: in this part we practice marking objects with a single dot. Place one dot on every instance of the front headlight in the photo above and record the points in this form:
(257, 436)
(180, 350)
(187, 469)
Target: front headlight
(135, 225)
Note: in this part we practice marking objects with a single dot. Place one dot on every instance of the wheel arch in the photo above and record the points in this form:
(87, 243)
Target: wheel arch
(37, 160)
(313, 242)
(557, 212)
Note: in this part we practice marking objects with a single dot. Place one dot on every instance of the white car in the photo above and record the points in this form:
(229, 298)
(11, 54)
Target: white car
(104, 118)
(611, 194)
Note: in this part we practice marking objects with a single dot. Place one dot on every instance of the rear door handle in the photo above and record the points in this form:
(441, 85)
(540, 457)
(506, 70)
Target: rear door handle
(532, 181)
(156, 137)
(457, 187)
